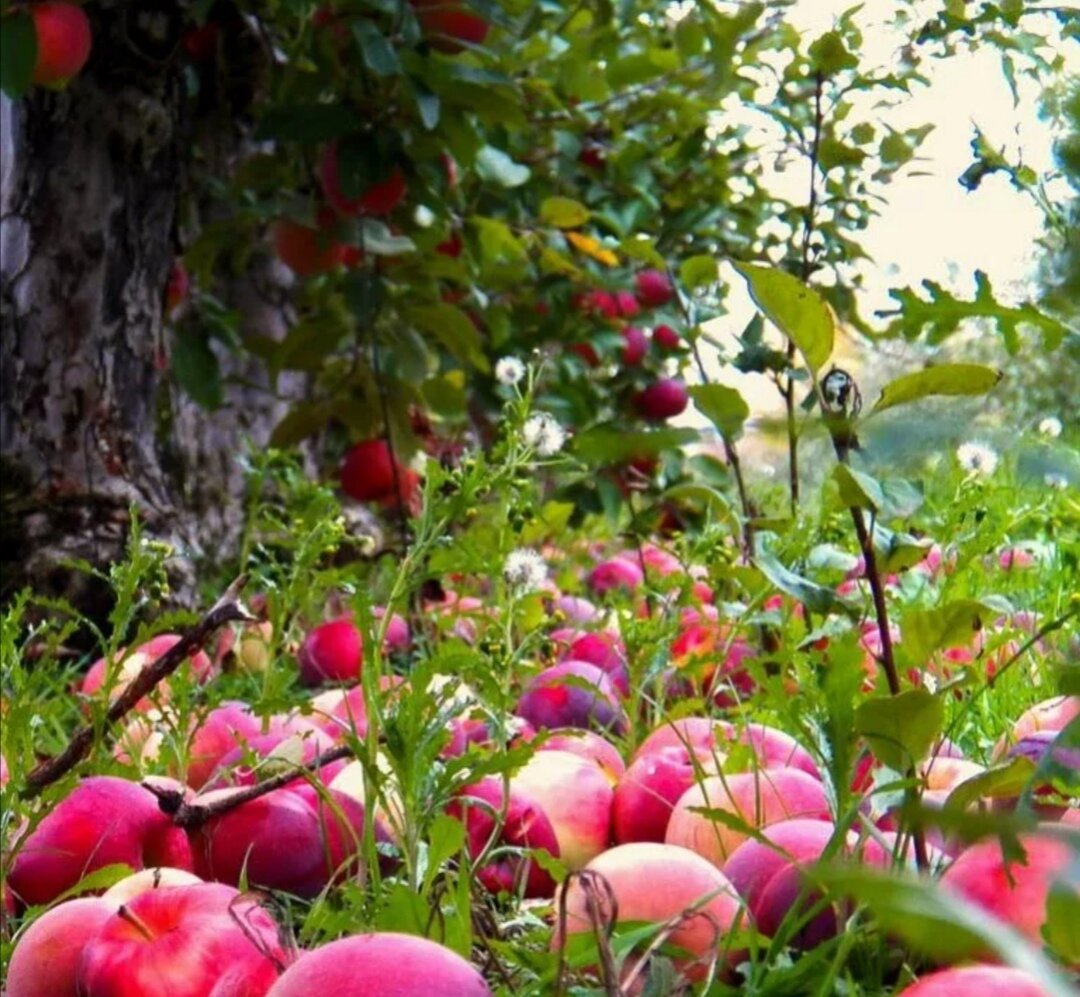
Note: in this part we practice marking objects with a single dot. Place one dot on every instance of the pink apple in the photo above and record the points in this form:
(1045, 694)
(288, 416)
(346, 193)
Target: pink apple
(703, 735)
(384, 964)
(228, 725)
(975, 981)
(758, 799)
(657, 883)
(156, 878)
(590, 746)
(1013, 892)
(103, 821)
(493, 823)
(183, 941)
(653, 288)
(269, 754)
(47, 953)
(605, 650)
(127, 666)
(650, 788)
(576, 796)
(616, 573)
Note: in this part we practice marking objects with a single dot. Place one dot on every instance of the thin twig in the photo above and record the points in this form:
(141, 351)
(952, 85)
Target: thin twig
(227, 609)
(195, 814)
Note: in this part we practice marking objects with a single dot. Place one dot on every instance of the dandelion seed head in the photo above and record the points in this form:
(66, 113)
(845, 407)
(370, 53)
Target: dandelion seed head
(544, 434)
(977, 458)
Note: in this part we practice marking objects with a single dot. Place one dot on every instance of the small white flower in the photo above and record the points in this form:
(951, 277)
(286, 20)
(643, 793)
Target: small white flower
(1050, 426)
(424, 216)
(977, 458)
(525, 569)
(1056, 481)
(544, 434)
(509, 370)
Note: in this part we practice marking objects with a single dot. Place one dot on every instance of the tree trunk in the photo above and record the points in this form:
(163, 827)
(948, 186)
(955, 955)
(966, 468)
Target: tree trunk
(90, 425)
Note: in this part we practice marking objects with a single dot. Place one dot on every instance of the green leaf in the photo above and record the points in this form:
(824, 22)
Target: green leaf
(816, 598)
(943, 379)
(563, 212)
(446, 836)
(943, 314)
(603, 446)
(796, 310)
(940, 924)
(698, 271)
(379, 55)
(304, 419)
(428, 104)
(900, 729)
(724, 407)
(18, 52)
(308, 124)
(197, 369)
(829, 54)
(858, 489)
(1061, 929)
(1000, 782)
(955, 624)
(454, 329)
(497, 167)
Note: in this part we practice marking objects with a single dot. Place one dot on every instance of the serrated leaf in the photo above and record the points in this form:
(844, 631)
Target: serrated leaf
(563, 212)
(858, 489)
(724, 407)
(496, 166)
(901, 729)
(943, 379)
(941, 315)
(18, 52)
(798, 311)
(698, 271)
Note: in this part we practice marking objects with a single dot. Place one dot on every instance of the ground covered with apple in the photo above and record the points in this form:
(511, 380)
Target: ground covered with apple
(531, 758)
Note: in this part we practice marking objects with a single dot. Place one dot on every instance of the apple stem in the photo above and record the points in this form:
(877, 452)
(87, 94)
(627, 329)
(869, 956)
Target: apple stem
(131, 918)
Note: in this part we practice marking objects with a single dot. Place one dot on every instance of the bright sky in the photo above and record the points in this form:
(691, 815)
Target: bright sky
(932, 227)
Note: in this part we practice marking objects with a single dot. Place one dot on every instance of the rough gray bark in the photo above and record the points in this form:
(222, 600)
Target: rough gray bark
(89, 422)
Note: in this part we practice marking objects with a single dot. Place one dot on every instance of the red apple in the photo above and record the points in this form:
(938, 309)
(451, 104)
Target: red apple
(63, 42)
(332, 652)
(367, 471)
(103, 821)
(379, 199)
(656, 884)
(653, 288)
(183, 941)
(975, 981)
(589, 745)
(635, 345)
(666, 339)
(266, 755)
(627, 304)
(384, 964)
(225, 727)
(158, 878)
(309, 251)
(280, 841)
(617, 572)
(46, 956)
(572, 694)
(449, 23)
(663, 399)
(604, 650)
(493, 823)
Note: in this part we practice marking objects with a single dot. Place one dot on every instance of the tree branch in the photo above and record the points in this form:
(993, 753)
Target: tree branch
(191, 815)
(227, 609)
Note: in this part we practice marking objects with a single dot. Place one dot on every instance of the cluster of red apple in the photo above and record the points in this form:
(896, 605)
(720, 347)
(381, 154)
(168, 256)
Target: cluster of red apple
(706, 815)
(665, 397)
(63, 42)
